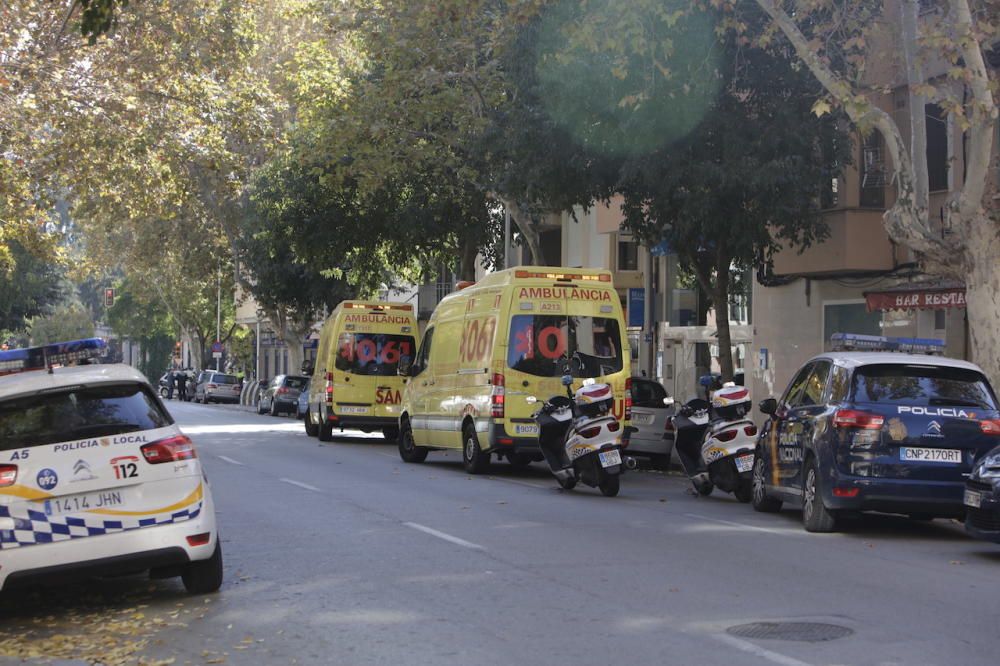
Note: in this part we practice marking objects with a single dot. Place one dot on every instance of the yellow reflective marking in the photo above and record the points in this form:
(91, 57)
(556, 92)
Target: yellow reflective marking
(190, 499)
(25, 492)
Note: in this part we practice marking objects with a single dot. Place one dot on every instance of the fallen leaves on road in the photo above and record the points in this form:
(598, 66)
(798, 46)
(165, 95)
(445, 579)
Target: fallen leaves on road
(110, 626)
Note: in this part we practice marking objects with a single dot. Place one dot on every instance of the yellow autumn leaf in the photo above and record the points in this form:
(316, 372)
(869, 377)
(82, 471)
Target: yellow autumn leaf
(821, 107)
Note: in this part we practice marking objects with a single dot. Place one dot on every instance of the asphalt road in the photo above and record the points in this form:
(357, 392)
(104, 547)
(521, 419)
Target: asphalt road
(342, 554)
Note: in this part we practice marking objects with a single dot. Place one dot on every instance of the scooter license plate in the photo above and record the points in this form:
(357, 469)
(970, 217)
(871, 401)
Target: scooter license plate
(744, 463)
(610, 458)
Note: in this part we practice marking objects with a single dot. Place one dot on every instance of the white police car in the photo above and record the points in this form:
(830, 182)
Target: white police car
(95, 477)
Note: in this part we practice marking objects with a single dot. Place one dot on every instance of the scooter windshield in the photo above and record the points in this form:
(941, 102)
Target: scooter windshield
(541, 345)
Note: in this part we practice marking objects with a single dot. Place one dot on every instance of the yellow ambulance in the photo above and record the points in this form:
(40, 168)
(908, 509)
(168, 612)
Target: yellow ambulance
(355, 381)
(490, 346)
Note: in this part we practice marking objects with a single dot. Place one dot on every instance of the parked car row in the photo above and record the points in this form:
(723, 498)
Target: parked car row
(206, 386)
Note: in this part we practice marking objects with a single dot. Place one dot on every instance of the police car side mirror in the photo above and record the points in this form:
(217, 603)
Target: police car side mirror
(404, 367)
(668, 401)
(768, 406)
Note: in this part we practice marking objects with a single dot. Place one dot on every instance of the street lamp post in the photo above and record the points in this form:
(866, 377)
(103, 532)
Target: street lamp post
(218, 318)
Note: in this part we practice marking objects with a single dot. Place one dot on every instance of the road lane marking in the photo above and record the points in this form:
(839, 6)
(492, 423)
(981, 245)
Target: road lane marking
(306, 486)
(767, 530)
(520, 483)
(758, 651)
(230, 460)
(447, 537)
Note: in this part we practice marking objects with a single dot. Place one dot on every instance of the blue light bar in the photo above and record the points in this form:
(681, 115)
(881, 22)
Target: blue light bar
(46, 356)
(858, 342)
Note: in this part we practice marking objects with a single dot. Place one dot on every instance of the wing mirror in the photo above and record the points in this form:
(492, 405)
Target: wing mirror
(768, 406)
(668, 401)
(405, 366)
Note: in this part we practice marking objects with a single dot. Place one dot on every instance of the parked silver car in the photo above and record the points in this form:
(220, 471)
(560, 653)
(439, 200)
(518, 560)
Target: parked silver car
(649, 422)
(281, 395)
(212, 386)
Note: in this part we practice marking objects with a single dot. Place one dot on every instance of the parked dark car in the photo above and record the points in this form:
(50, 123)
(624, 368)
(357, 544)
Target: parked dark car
(649, 421)
(282, 395)
(874, 431)
(982, 496)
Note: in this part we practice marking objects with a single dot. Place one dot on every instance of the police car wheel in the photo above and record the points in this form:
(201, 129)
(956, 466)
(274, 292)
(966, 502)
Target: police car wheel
(204, 576)
(474, 459)
(760, 500)
(815, 516)
(408, 450)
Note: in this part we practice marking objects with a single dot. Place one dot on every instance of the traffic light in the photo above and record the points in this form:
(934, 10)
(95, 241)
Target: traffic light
(109, 297)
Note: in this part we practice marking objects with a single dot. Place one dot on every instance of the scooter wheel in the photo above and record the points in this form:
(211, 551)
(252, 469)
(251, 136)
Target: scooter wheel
(705, 489)
(610, 485)
(744, 491)
(567, 484)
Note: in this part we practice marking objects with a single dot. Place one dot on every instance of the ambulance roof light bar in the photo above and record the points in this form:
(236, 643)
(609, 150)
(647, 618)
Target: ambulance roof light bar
(48, 356)
(548, 275)
(858, 342)
(379, 306)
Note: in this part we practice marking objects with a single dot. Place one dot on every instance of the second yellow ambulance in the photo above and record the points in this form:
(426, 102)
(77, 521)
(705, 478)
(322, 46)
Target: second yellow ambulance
(354, 381)
(492, 345)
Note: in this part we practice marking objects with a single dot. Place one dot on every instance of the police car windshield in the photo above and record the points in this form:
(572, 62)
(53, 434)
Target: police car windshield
(541, 344)
(922, 386)
(97, 411)
(375, 354)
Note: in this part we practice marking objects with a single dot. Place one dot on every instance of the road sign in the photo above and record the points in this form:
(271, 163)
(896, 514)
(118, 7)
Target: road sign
(216, 348)
(636, 307)
(217, 354)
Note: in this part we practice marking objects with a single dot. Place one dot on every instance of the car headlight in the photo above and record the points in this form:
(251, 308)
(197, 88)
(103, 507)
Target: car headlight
(988, 468)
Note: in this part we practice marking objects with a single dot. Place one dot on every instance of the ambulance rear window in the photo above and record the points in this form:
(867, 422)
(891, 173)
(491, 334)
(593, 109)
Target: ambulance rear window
(375, 354)
(78, 413)
(921, 385)
(542, 345)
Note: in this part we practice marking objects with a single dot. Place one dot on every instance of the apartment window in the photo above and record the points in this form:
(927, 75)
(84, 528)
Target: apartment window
(628, 254)
(850, 317)
(831, 194)
(872, 172)
(937, 148)
(939, 320)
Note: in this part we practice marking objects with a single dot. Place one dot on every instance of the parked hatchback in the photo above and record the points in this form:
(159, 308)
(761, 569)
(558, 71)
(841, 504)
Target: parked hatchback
(282, 395)
(212, 386)
(982, 497)
(650, 417)
(873, 431)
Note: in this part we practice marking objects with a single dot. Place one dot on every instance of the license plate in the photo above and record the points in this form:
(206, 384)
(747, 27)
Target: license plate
(610, 458)
(352, 409)
(972, 498)
(58, 506)
(525, 428)
(950, 456)
(744, 463)
(642, 419)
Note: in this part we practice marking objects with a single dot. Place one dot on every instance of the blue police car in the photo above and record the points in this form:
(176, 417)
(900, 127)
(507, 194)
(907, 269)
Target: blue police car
(874, 431)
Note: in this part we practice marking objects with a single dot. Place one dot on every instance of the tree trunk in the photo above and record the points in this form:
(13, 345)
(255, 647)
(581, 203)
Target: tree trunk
(982, 295)
(467, 265)
(526, 226)
(721, 297)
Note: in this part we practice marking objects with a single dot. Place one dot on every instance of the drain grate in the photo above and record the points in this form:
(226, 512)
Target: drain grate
(809, 632)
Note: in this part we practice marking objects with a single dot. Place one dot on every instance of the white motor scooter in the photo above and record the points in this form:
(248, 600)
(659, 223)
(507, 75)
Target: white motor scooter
(580, 439)
(715, 442)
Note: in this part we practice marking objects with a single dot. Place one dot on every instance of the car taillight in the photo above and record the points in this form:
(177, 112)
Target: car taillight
(726, 435)
(668, 426)
(991, 427)
(628, 399)
(855, 418)
(170, 449)
(497, 396)
(750, 430)
(329, 387)
(613, 426)
(8, 475)
(590, 433)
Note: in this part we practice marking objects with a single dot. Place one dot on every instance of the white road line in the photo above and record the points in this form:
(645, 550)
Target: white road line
(758, 651)
(520, 483)
(301, 485)
(447, 537)
(741, 525)
(230, 460)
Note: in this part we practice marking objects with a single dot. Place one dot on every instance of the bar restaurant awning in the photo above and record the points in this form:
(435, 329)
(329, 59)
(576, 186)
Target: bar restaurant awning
(917, 296)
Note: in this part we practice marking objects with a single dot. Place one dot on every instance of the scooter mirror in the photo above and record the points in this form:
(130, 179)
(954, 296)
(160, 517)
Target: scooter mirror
(589, 381)
(567, 380)
(531, 400)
